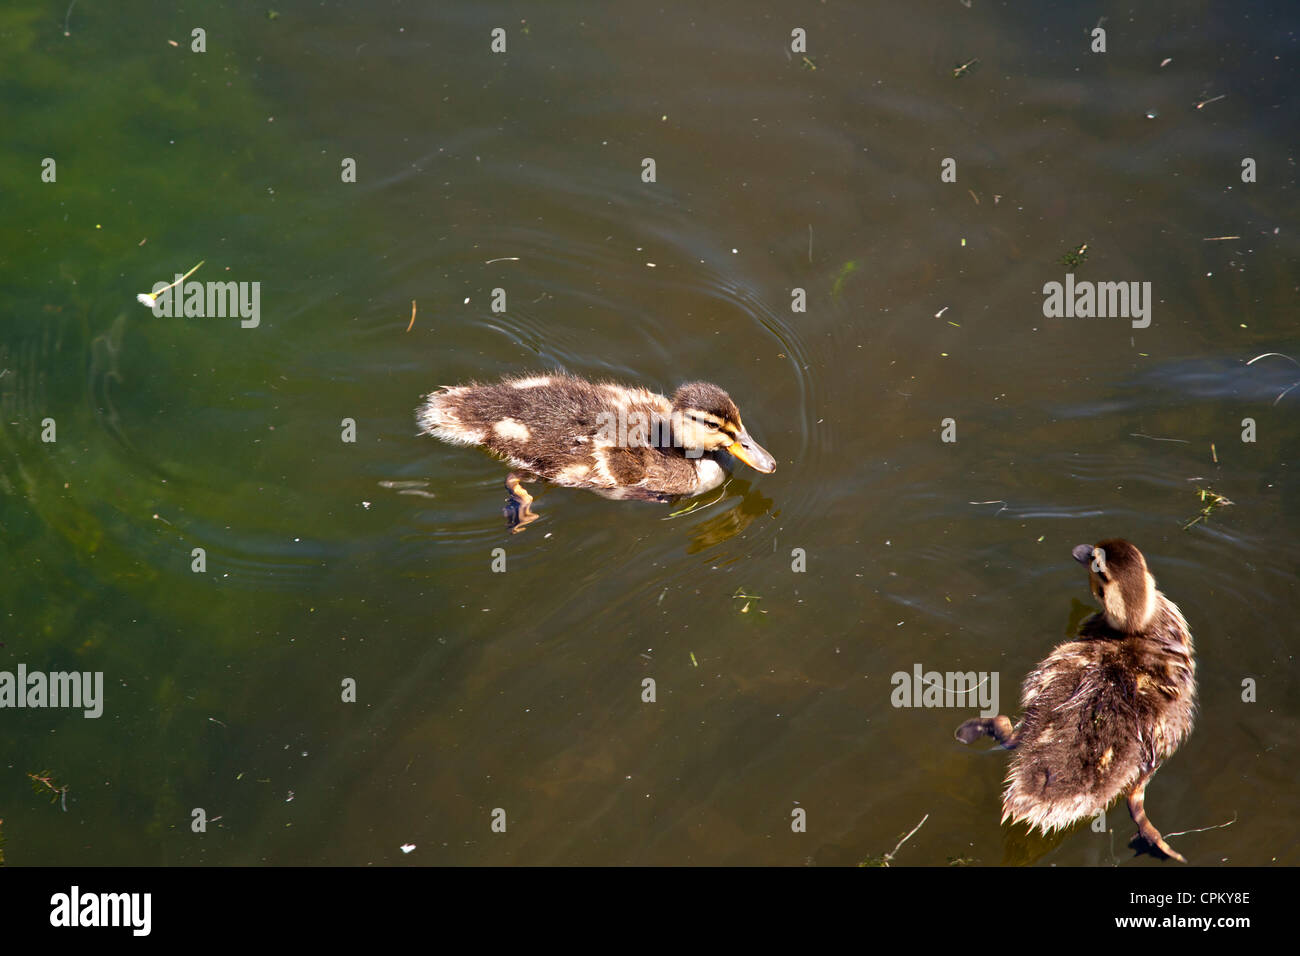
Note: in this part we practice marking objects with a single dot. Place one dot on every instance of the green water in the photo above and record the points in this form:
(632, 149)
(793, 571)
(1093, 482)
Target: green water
(372, 560)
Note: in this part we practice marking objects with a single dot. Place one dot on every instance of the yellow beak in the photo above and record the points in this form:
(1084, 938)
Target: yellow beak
(752, 453)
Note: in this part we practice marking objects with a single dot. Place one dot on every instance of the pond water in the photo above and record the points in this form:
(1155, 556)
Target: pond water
(773, 616)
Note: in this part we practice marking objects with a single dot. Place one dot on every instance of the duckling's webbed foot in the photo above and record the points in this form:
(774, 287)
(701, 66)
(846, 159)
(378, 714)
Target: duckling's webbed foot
(999, 728)
(519, 506)
(1147, 831)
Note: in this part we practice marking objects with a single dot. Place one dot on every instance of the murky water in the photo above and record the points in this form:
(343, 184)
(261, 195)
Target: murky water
(522, 171)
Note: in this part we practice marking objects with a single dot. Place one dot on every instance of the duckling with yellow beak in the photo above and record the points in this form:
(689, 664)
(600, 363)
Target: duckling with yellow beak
(1101, 712)
(617, 440)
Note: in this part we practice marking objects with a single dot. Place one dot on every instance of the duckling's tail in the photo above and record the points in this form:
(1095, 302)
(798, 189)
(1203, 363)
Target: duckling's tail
(440, 416)
(1066, 770)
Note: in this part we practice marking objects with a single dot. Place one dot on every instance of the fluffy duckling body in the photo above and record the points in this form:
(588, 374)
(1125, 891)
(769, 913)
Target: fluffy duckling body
(616, 440)
(1103, 711)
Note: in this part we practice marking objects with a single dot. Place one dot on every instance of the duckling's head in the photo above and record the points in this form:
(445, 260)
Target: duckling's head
(1120, 582)
(706, 419)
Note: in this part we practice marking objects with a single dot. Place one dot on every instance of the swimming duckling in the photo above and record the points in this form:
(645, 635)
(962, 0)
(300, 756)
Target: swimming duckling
(619, 441)
(1103, 711)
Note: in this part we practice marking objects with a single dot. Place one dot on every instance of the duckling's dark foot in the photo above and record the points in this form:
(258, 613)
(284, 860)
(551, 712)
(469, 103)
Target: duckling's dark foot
(1152, 842)
(518, 510)
(999, 728)
(1147, 832)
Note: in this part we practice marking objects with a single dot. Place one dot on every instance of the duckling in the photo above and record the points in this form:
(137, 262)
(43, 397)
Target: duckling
(617, 440)
(1103, 711)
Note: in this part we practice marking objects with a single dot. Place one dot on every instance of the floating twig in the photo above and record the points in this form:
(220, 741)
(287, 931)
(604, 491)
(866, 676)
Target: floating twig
(888, 857)
(1219, 238)
(1289, 359)
(1213, 99)
(412, 322)
(1203, 829)
(1267, 354)
(961, 70)
(1182, 441)
(696, 503)
(147, 299)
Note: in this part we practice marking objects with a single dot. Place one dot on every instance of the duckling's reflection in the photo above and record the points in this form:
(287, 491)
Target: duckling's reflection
(742, 504)
(1023, 847)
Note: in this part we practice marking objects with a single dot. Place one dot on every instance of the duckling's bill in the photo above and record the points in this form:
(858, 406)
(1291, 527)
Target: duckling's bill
(752, 453)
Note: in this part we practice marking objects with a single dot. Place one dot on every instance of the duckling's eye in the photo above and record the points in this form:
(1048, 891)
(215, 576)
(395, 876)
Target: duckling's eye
(714, 425)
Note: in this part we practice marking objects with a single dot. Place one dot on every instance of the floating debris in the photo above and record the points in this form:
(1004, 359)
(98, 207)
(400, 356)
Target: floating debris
(1217, 826)
(1212, 500)
(1076, 258)
(147, 299)
(696, 503)
(1279, 355)
(1181, 441)
(888, 858)
(961, 69)
(44, 782)
(747, 598)
(846, 270)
